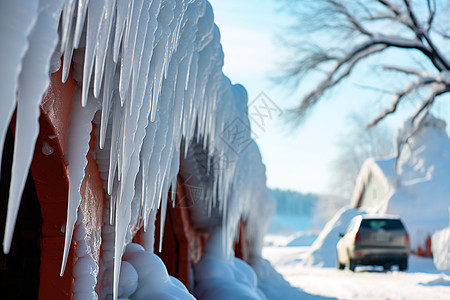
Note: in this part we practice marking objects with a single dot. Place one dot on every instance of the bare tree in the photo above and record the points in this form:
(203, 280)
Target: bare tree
(334, 36)
(355, 145)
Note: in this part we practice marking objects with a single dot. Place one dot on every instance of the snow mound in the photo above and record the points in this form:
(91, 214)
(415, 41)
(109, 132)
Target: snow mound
(143, 275)
(302, 239)
(323, 250)
(221, 276)
(274, 286)
(440, 246)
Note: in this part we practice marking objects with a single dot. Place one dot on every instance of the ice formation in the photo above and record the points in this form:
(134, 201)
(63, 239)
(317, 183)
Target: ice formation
(149, 76)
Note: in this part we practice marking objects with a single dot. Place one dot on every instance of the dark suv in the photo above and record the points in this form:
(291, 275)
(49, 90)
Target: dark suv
(374, 240)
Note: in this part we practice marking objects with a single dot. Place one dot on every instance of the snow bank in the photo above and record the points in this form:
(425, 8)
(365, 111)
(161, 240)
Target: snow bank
(323, 250)
(440, 246)
(302, 239)
(274, 286)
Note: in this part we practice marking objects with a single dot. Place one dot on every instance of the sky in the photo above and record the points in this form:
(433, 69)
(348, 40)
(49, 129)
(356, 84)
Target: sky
(296, 158)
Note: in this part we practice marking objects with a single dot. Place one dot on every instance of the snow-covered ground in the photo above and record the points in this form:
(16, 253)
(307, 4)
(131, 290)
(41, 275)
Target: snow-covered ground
(421, 281)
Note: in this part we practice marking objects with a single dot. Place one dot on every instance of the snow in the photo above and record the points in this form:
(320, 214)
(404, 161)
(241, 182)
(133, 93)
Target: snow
(440, 246)
(323, 250)
(144, 276)
(440, 242)
(421, 281)
(149, 75)
(219, 278)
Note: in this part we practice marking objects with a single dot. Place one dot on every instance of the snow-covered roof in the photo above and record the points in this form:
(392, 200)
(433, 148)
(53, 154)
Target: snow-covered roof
(383, 170)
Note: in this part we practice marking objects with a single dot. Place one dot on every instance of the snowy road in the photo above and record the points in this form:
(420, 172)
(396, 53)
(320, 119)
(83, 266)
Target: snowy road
(421, 281)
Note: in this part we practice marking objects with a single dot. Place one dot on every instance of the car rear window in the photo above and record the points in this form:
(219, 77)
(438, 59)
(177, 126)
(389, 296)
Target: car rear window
(385, 224)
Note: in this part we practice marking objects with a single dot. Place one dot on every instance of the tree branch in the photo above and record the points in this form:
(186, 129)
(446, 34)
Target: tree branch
(408, 71)
(430, 99)
(340, 8)
(431, 13)
(350, 60)
(361, 18)
(422, 34)
(414, 85)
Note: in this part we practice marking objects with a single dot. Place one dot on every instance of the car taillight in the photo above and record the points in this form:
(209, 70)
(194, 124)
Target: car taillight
(357, 238)
(407, 238)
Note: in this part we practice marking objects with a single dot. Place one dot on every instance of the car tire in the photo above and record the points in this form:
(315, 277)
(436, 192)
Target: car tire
(340, 266)
(351, 265)
(403, 265)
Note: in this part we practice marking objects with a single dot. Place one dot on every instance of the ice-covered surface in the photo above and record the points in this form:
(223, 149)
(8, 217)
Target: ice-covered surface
(149, 75)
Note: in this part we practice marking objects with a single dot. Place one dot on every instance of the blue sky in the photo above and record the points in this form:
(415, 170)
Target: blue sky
(297, 159)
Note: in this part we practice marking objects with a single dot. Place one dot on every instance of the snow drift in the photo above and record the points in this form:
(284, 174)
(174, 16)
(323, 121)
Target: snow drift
(323, 251)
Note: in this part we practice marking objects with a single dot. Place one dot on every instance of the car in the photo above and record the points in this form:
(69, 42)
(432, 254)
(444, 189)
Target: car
(374, 240)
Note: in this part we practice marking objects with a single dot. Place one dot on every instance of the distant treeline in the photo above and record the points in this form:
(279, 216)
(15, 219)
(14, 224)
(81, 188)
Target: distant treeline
(294, 203)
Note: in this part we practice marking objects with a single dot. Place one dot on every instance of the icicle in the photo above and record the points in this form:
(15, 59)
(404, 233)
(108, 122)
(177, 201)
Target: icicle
(147, 151)
(16, 21)
(110, 73)
(102, 43)
(33, 82)
(123, 7)
(173, 191)
(67, 18)
(96, 9)
(81, 17)
(128, 47)
(144, 47)
(123, 216)
(68, 52)
(161, 225)
(143, 81)
(116, 128)
(80, 134)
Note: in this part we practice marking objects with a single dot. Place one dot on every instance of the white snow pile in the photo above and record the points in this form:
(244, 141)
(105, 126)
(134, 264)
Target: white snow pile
(302, 239)
(149, 75)
(217, 277)
(144, 276)
(323, 251)
(440, 246)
